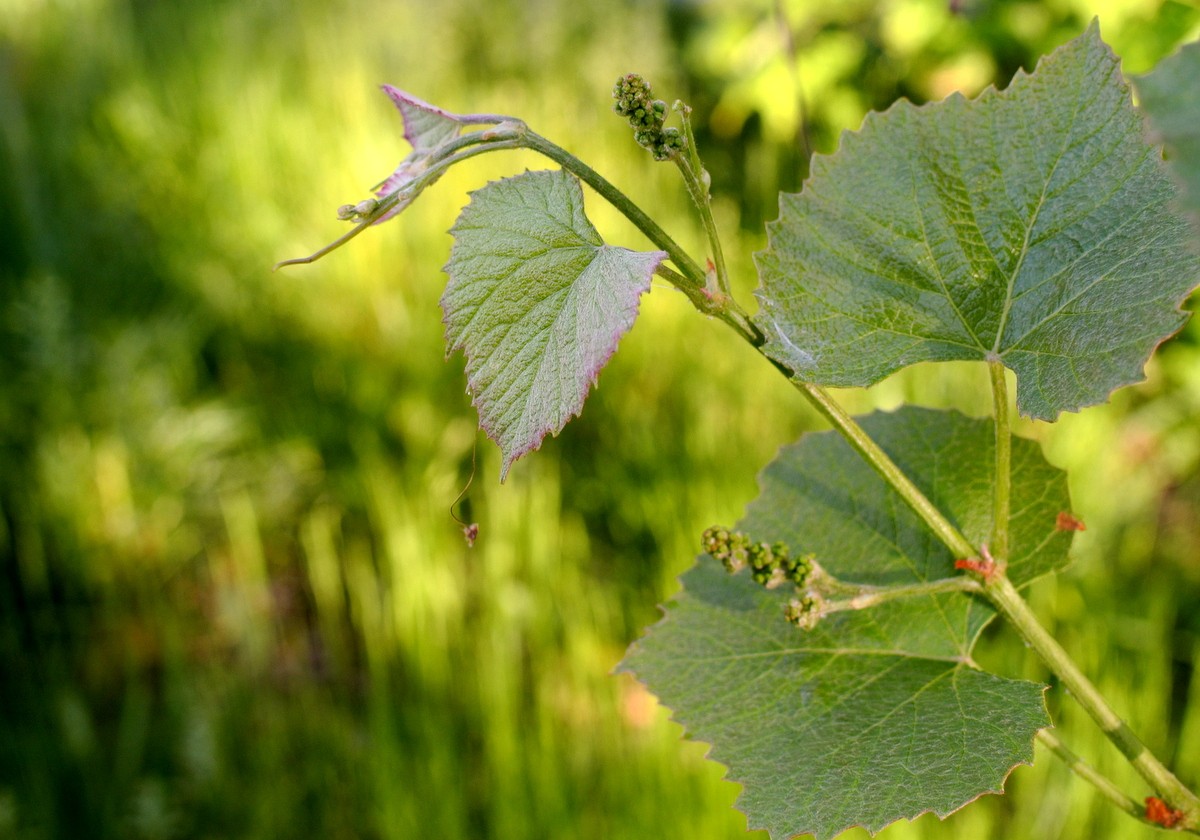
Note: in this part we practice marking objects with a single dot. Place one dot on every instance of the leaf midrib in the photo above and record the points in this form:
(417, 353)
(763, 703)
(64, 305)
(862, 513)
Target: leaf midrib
(1012, 277)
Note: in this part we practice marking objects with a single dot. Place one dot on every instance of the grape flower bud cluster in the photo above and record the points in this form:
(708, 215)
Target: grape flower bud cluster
(770, 564)
(646, 115)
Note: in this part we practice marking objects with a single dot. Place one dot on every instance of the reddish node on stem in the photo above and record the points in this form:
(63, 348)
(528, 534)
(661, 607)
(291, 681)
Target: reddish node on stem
(1067, 522)
(1160, 813)
(718, 300)
(984, 565)
(471, 533)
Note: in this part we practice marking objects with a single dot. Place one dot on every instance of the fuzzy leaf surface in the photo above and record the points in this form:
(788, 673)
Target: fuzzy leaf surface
(1031, 225)
(878, 714)
(538, 303)
(1170, 96)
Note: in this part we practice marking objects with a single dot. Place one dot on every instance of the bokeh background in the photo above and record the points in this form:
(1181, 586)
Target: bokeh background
(233, 603)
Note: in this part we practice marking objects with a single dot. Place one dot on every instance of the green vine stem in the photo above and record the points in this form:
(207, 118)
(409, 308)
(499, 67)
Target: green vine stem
(696, 180)
(1012, 606)
(1002, 482)
(1090, 775)
(886, 467)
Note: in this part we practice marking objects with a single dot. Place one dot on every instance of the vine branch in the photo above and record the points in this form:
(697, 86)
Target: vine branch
(879, 460)
(1090, 774)
(1002, 486)
(695, 283)
(1012, 606)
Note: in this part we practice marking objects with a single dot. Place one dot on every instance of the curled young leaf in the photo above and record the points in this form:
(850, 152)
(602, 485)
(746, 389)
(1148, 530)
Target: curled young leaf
(427, 129)
(434, 135)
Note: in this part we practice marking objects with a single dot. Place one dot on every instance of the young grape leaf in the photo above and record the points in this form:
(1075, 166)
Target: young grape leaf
(877, 714)
(426, 128)
(1171, 98)
(537, 302)
(1031, 225)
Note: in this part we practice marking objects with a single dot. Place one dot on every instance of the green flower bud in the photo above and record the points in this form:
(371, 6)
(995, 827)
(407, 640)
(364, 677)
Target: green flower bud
(668, 144)
(647, 137)
(759, 556)
(770, 563)
(724, 546)
(632, 93)
(715, 541)
(803, 612)
(797, 569)
(646, 116)
(674, 140)
(739, 549)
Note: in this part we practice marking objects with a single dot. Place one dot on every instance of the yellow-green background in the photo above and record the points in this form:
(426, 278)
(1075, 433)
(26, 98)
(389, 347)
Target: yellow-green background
(233, 603)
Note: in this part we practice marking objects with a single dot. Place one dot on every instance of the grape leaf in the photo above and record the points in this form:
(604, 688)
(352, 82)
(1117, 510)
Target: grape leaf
(1031, 225)
(538, 303)
(878, 714)
(1171, 98)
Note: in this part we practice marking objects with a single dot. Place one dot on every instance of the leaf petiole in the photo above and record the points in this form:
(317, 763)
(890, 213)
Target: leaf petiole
(1002, 487)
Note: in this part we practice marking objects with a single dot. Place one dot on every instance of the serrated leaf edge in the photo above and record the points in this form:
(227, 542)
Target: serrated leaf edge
(665, 608)
(776, 335)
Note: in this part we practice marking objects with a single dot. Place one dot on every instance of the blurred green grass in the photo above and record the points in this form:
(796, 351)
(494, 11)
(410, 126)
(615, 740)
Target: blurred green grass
(233, 602)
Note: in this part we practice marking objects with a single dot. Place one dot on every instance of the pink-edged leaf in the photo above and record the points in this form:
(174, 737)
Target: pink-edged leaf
(427, 128)
(538, 303)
